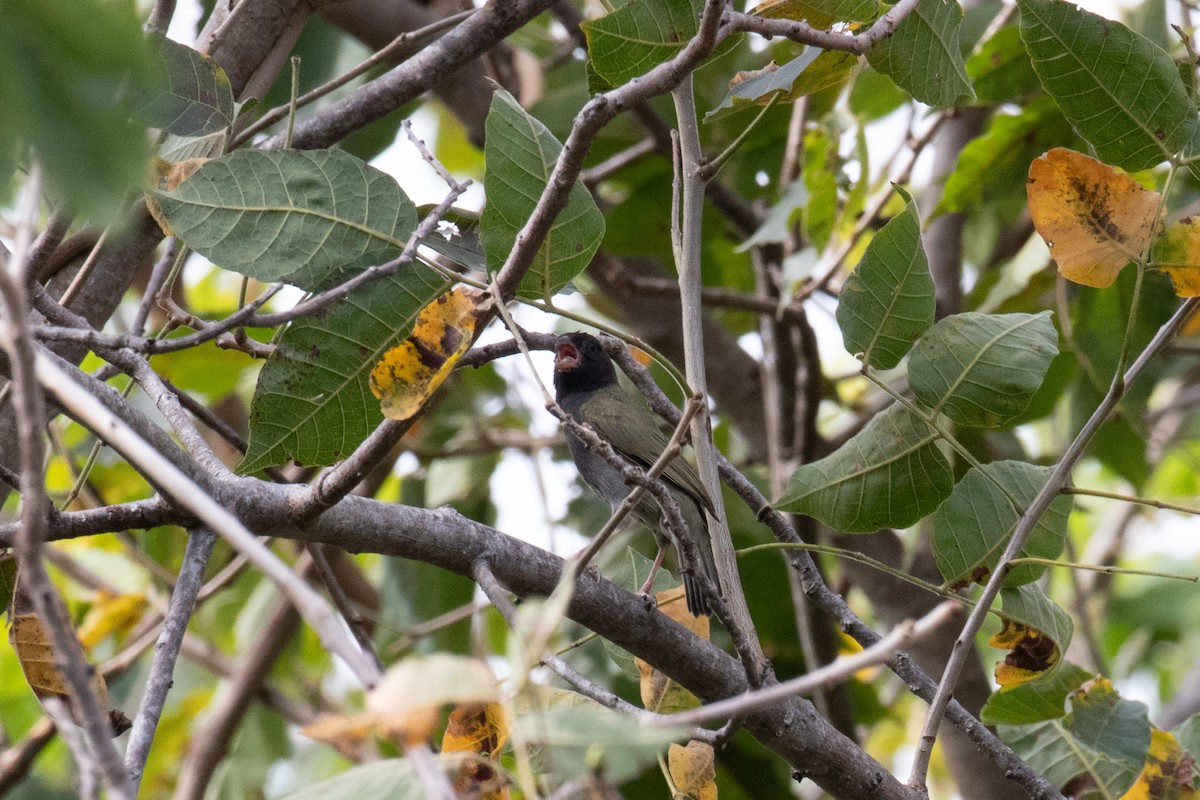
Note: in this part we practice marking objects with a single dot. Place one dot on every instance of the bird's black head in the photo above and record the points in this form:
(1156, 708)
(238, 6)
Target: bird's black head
(581, 365)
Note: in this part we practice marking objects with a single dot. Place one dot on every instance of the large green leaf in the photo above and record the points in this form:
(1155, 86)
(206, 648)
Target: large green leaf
(1000, 69)
(888, 301)
(313, 405)
(305, 216)
(521, 154)
(924, 55)
(68, 76)
(972, 528)
(1050, 749)
(198, 99)
(889, 475)
(1119, 89)
(637, 37)
(981, 370)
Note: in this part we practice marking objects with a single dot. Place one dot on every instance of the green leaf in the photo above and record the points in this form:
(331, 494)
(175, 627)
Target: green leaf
(972, 528)
(581, 740)
(1105, 721)
(1119, 89)
(1036, 701)
(68, 76)
(1000, 70)
(521, 154)
(888, 475)
(638, 37)
(996, 164)
(1050, 749)
(308, 217)
(390, 779)
(808, 73)
(888, 301)
(924, 55)
(981, 370)
(312, 404)
(1188, 734)
(197, 100)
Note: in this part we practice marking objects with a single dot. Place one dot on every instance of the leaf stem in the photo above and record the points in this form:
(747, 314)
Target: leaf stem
(1141, 501)
(1107, 569)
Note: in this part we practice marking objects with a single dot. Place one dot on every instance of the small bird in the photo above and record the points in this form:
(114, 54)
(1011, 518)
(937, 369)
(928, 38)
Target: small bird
(585, 384)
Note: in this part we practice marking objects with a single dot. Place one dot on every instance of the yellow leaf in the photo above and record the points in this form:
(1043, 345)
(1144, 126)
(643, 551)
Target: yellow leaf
(340, 730)
(1033, 652)
(1094, 219)
(660, 693)
(412, 371)
(481, 729)
(111, 614)
(476, 728)
(1177, 253)
(693, 770)
(1168, 774)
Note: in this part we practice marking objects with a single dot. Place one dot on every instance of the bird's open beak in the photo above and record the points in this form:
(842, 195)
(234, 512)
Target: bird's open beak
(566, 356)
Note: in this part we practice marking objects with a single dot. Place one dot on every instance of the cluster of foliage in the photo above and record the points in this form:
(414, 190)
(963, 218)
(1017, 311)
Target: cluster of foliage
(943, 256)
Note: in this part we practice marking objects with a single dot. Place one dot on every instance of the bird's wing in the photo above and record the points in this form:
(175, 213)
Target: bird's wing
(632, 429)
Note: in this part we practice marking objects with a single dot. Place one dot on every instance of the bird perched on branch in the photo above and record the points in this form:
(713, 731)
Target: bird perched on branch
(586, 387)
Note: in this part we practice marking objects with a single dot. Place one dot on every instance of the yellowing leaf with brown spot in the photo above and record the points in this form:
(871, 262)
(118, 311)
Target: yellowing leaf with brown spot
(412, 371)
(1032, 653)
(660, 693)
(481, 729)
(111, 614)
(1168, 774)
(1094, 219)
(1177, 253)
(693, 770)
(476, 728)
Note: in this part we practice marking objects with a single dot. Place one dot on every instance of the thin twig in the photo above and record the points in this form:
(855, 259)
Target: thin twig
(833, 673)
(162, 668)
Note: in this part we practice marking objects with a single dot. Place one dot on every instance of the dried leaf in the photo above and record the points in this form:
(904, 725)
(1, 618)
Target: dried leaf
(660, 693)
(1094, 219)
(167, 175)
(412, 371)
(35, 653)
(693, 770)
